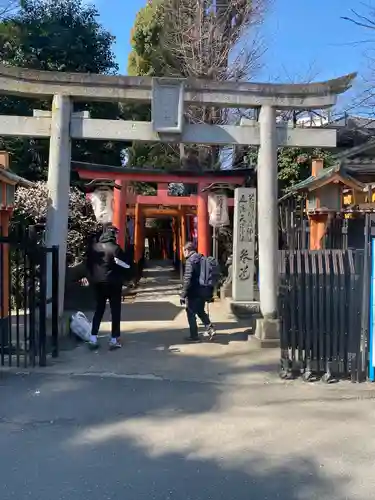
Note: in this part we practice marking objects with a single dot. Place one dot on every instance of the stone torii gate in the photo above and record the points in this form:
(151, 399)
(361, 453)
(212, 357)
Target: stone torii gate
(168, 98)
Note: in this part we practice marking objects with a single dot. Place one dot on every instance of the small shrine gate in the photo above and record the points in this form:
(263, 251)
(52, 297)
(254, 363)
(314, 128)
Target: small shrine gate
(162, 204)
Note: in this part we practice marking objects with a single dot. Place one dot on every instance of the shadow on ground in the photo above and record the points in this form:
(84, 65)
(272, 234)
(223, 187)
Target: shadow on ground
(114, 438)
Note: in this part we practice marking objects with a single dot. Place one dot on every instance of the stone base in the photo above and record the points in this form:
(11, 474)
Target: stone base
(245, 309)
(267, 332)
(225, 292)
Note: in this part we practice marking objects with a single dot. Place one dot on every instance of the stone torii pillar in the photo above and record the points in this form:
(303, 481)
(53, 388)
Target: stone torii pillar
(267, 212)
(58, 184)
(268, 327)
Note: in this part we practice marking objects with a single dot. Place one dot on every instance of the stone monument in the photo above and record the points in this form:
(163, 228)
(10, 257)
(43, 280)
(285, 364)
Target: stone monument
(244, 234)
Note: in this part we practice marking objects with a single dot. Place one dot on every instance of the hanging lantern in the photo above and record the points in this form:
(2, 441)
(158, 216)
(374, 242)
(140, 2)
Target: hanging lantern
(194, 232)
(102, 203)
(218, 210)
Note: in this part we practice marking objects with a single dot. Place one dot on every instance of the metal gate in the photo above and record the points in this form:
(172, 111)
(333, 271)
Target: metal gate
(28, 313)
(324, 324)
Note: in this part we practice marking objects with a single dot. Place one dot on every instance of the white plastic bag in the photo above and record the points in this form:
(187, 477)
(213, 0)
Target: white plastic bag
(81, 326)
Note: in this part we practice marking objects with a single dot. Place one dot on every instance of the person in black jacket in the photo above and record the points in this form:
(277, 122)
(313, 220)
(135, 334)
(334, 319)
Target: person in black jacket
(107, 278)
(192, 296)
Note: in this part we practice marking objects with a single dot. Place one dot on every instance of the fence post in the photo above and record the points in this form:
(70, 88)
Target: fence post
(369, 233)
(353, 316)
(371, 372)
(284, 304)
(328, 377)
(55, 301)
(43, 307)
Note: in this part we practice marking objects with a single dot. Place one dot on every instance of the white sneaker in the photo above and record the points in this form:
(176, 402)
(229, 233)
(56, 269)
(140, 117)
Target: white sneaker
(93, 342)
(115, 344)
(211, 332)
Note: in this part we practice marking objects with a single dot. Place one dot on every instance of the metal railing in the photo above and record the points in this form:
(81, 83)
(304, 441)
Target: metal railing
(323, 324)
(28, 317)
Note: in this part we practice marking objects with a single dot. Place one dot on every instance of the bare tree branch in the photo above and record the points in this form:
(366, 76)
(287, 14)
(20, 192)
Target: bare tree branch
(204, 40)
(366, 99)
(214, 40)
(8, 7)
(358, 23)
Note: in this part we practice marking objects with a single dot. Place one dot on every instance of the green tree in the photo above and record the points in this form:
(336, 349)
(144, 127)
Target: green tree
(294, 164)
(146, 56)
(56, 35)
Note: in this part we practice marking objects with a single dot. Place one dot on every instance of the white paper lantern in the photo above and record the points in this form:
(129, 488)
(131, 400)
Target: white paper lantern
(218, 210)
(102, 204)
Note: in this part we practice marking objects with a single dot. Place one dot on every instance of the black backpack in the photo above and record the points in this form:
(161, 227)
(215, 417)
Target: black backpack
(209, 275)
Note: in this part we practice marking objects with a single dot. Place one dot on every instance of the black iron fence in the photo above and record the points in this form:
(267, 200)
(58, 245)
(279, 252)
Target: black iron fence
(344, 229)
(323, 322)
(28, 310)
(293, 224)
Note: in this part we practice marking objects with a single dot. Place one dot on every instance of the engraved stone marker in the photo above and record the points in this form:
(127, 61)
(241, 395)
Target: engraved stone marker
(244, 244)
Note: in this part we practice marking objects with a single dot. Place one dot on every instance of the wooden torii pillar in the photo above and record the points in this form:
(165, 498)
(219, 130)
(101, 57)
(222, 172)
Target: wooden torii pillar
(119, 211)
(137, 233)
(203, 225)
(174, 236)
(183, 232)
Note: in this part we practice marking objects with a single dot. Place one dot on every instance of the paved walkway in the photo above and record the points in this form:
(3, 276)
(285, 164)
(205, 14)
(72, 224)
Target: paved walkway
(159, 283)
(154, 327)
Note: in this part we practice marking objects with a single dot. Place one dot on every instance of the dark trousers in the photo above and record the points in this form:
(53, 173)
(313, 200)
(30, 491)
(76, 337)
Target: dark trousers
(104, 292)
(196, 307)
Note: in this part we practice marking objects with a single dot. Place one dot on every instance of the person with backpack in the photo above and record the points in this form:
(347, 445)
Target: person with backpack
(200, 278)
(106, 263)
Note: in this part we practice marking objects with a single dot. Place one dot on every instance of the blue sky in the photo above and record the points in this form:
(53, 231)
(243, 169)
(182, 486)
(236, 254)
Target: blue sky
(304, 38)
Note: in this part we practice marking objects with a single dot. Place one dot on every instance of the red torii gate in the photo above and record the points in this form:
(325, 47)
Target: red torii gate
(126, 201)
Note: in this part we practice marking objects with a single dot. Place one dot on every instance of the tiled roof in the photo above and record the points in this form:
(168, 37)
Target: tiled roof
(357, 166)
(14, 178)
(356, 150)
(323, 175)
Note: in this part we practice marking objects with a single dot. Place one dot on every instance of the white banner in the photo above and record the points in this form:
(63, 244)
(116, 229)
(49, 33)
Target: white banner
(102, 204)
(218, 210)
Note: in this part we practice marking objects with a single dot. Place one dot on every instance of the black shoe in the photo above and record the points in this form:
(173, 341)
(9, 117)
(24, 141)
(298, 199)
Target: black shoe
(193, 340)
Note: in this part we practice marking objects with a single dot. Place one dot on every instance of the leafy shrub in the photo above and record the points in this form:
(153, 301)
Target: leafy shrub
(31, 208)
